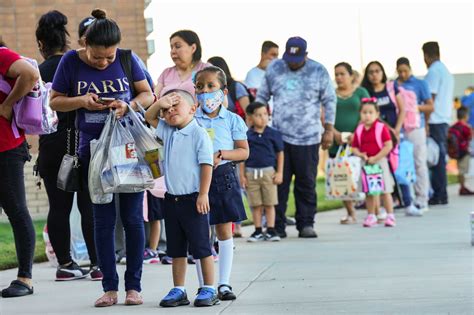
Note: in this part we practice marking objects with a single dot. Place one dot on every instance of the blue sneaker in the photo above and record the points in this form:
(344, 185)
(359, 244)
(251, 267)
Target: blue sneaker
(206, 297)
(175, 297)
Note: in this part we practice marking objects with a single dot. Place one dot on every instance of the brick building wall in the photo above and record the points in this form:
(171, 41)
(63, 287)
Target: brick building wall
(18, 21)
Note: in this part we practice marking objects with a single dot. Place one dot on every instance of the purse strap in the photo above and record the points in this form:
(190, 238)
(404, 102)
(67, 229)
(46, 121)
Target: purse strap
(76, 137)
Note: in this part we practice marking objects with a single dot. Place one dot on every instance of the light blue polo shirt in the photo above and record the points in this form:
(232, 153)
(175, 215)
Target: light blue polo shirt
(185, 150)
(223, 129)
(441, 83)
(422, 92)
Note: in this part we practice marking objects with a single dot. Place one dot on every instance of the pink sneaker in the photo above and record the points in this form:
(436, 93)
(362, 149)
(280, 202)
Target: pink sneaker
(370, 221)
(390, 221)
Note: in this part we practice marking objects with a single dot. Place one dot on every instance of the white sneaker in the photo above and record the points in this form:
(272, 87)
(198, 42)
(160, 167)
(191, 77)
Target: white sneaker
(413, 211)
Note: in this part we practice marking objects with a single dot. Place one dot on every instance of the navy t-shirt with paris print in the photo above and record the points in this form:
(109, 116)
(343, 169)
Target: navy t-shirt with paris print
(75, 78)
(388, 109)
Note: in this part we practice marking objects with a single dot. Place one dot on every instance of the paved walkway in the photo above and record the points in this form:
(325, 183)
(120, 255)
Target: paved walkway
(423, 266)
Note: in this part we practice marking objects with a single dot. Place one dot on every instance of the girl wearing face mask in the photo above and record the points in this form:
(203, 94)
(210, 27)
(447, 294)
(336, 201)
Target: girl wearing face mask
(228, 133)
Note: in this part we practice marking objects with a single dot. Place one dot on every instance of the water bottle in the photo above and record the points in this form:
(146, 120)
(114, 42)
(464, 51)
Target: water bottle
(472, 228)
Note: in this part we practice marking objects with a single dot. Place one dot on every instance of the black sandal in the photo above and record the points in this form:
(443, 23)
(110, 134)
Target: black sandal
(227, 295)
(17, 288)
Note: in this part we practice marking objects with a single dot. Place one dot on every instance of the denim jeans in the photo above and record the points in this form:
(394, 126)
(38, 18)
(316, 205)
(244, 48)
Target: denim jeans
(13, 201)
(105, 217)
(439, 182)
(131, 213)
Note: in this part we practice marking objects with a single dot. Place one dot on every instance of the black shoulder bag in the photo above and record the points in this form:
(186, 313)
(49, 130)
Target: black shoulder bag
(69, 175)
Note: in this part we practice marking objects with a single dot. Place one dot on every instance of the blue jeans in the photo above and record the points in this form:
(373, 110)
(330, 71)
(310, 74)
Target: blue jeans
(439, 182)
(406, 195)
(131, 213)
(13, 201)
(105, 216)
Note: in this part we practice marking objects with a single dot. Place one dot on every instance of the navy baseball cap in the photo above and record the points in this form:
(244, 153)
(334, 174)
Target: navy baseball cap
(295, 50)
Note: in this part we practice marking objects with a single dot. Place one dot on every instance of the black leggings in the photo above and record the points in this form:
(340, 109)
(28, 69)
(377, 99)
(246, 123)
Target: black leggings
(60, 207)
(13, 200)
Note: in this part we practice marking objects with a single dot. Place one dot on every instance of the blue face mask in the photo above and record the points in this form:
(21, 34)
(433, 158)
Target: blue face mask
(210, 101)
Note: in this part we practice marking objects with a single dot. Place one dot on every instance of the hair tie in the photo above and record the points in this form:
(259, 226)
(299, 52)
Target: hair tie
(369, 100)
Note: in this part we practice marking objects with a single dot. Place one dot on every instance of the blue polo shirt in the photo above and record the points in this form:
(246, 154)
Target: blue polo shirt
(263, 147)
(422, 92)
(441, 83)
(223, 129)
(185, 150)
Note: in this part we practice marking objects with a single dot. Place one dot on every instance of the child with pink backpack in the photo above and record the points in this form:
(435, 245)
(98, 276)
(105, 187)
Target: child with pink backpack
(373, 144)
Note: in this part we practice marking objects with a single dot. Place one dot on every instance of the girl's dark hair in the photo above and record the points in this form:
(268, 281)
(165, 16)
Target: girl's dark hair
(403, 61)
(213, 69)
(103, 31)
(365, 81)
(190, 38)
(345, 65)
(220, 63)
(252, 107)
(84, 25)
(369, 102)
(52, 33)
(2, 43)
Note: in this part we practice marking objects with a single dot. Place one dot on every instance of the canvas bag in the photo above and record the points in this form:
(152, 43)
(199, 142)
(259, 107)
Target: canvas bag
(342, 176)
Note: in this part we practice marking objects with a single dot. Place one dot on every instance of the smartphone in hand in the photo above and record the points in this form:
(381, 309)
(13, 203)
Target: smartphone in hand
(105, 100)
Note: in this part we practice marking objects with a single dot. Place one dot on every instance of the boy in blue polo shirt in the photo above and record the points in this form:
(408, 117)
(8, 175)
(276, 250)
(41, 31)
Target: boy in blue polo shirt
(188, 172)
(258, 175)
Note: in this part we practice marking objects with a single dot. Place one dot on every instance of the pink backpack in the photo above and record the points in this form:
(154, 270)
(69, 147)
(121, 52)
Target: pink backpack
(393, 156)
(412, 114)
(32, 112)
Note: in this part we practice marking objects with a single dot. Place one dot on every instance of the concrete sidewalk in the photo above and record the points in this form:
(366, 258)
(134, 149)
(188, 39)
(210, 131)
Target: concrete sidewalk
(423, 266)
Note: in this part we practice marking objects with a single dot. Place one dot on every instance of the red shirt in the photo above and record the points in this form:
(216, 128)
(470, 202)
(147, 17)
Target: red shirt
(368, 143)
(7, 139)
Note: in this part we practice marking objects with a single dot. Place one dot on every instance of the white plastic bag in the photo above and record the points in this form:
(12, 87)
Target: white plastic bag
(79, 251)
(126, 167)
(145, 142)
(99, 153)
(433, 152)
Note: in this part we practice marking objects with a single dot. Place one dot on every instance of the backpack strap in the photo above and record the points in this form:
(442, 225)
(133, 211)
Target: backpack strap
(4, 86)
(358, 132)
(378, 133)
(391, 87)
(125, 56)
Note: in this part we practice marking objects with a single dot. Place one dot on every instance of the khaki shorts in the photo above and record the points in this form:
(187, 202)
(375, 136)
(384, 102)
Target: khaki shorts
(261, 191)
(463, 164)
(388, 180)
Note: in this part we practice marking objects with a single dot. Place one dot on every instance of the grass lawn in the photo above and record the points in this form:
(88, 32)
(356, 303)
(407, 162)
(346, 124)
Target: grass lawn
(7, 244)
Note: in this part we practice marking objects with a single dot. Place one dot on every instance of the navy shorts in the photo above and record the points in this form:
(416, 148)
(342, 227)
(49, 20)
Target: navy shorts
(185, 227)
(225, 196)
(155, 207)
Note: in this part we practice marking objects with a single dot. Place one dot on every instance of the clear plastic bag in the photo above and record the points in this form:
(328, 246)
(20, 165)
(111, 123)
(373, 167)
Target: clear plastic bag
(145, 142)
(99, 154)
(126, 170)
(79, 251)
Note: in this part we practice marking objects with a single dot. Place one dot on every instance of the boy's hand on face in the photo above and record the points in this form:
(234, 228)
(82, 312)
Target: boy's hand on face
(202, 204)
(277, 178)
(169, 100)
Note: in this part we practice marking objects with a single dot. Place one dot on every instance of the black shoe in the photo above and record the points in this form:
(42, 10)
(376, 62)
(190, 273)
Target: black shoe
(70, 272)
(281, 234)
(256, 237)
(17, 288)
(435, 201)
(290, 221)
(272, 236)
(226, 295)
(307, 232)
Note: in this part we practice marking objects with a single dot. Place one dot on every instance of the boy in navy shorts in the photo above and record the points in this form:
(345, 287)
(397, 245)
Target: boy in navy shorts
(262, 171)
(188, 172)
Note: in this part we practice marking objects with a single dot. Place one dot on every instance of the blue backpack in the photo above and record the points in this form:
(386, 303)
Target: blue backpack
(405, 173)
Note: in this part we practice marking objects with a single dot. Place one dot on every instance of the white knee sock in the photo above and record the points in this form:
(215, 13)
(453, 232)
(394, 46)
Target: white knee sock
(199, 273)
(226, 256)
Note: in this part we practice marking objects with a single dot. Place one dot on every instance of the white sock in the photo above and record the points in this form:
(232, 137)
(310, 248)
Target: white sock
(181, 288)
(199, 273)
(226, 256)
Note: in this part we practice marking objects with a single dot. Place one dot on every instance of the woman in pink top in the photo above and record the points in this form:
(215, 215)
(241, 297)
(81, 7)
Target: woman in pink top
(186, 55)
